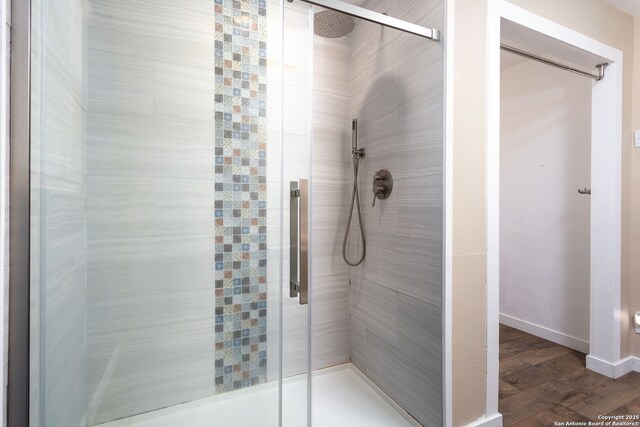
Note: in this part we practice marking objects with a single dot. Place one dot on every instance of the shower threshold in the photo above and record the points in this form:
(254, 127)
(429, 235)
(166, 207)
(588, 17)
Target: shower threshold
(342, 397)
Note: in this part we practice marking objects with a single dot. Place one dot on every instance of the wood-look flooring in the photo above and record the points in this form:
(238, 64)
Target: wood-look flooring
(542, 382)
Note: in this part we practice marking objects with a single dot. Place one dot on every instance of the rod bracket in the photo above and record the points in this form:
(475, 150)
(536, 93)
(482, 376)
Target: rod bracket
(601, 68)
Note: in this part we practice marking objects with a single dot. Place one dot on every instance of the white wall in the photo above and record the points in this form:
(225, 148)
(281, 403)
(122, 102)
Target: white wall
(544, 224)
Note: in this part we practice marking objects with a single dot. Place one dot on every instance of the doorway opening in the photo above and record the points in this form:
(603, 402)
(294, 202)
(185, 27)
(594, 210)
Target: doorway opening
(545, 165)
(546, 242)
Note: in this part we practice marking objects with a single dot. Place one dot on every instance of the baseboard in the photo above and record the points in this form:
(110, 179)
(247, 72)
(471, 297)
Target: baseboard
(492, 421)
(613, 369)
(546, 333)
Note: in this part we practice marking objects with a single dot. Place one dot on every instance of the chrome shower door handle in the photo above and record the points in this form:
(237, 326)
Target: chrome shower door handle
(299, 240)
(294, 285)
(304, 241)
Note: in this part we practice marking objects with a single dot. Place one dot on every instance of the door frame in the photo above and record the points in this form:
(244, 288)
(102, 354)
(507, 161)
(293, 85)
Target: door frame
(606, 203)
(18, 376)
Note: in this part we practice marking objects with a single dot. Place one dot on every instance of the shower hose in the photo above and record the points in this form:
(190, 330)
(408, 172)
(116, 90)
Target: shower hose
(355, 200)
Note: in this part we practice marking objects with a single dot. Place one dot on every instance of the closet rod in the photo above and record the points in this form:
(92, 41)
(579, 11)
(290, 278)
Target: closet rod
(596, 77)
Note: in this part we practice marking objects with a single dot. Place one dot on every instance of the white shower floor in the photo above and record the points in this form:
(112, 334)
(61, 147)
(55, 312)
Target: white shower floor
(342, 397)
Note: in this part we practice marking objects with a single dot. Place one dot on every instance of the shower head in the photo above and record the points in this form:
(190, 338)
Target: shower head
(332, 25)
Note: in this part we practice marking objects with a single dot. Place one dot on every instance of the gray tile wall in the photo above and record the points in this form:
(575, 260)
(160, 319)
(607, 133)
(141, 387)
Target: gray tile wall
(58, 213)
(150, 205)
(149, 127)
(329, 72)
(150, 161)
(331, 177)
(396, 295)
(296, 149)
(330, 75)
(274, 176)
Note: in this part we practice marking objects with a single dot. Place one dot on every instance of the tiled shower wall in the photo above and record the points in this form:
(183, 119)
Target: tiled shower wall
(241, 193)
(152, 239)
(396, 295)
(177, 202)
(150, 205)
(388, 321)
(329, 72)
(331, 196)
(58, 215)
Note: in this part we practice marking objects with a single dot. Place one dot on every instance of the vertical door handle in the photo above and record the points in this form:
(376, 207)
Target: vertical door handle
(299, 240)
(294, 285)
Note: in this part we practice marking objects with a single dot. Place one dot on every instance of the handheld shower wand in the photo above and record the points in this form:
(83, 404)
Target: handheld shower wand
(354, 135)
(355, 197)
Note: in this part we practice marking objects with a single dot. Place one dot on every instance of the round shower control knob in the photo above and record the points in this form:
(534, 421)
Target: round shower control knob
(382, 185)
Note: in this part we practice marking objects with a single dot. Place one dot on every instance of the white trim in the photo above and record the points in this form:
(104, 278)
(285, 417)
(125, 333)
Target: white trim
(494, 420)
(606, 215)
(542, 25)
(613, 369)
(546, 333)
(447, 312)
(606, 222)
(493, 205)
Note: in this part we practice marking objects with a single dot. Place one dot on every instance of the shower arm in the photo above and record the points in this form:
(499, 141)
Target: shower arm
(375, 17)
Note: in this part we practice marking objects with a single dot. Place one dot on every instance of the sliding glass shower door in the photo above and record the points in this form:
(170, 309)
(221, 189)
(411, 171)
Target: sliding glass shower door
(193, 166)
(159, 244)
(363, 109)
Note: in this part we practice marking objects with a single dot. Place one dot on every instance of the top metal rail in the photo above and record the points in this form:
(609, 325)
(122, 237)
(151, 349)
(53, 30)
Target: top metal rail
(375, 17)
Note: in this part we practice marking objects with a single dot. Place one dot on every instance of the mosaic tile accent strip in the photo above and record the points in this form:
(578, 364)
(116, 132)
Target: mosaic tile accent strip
(240, 193)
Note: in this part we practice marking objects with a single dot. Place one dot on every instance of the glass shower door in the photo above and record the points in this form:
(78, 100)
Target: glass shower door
(181, 153)
(364, 90)
(160, 279)
(296, 212)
